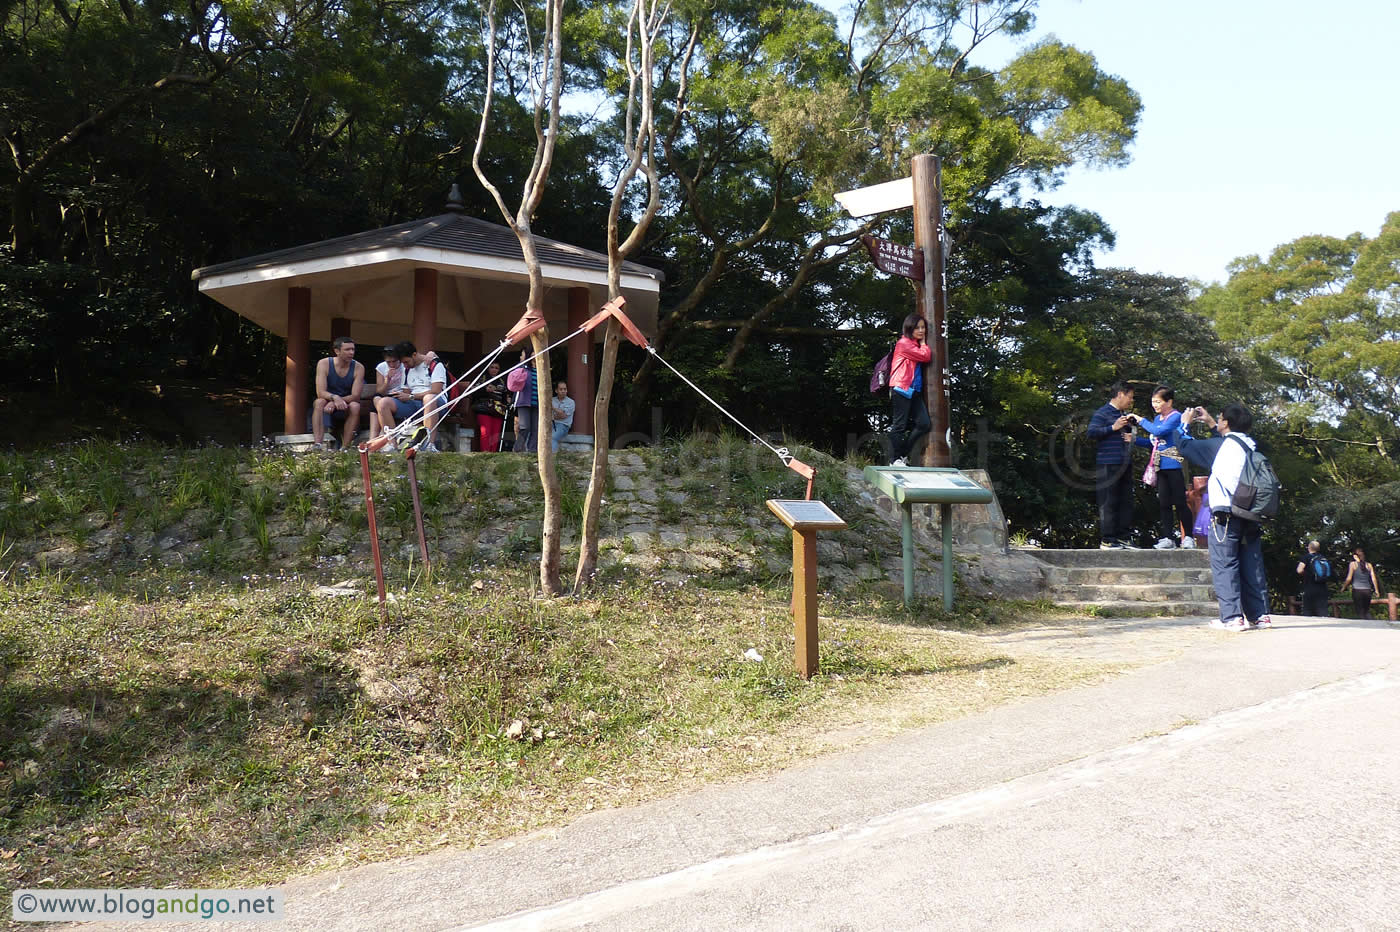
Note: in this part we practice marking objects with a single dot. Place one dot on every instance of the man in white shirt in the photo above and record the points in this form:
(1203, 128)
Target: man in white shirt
(424, 380)
(1236, 545)
(563, 407)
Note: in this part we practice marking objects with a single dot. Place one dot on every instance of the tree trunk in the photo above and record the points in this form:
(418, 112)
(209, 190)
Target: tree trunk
(549, 476)
(598, 478)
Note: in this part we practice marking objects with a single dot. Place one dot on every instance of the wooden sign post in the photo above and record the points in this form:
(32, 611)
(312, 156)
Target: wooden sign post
(805, 518)
(923, 192)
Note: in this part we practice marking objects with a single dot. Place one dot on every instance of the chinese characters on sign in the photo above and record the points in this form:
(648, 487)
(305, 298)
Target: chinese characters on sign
(894, 259)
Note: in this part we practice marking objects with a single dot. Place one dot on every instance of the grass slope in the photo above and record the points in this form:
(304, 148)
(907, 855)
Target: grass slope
(211, 721)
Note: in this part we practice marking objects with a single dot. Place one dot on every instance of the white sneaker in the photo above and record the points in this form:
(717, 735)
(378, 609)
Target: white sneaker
(1166, 543)
(1235, 624)
(900, 463)
(1188, 543)
(1218, 623)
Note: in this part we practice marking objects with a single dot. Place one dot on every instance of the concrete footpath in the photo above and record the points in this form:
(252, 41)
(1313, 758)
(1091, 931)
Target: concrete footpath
(1237, 781)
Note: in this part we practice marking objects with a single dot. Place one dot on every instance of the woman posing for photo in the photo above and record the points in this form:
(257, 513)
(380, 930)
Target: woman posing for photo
(1171, 480)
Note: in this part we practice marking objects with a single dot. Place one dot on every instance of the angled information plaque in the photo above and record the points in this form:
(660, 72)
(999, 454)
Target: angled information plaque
(805, 515)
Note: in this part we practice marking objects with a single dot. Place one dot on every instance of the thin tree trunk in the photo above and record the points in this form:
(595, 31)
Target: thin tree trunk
(598, 478)
(549, 476)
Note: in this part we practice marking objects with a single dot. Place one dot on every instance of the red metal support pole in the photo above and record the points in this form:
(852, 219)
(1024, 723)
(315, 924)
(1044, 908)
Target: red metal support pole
(410, 457)
(373, 529)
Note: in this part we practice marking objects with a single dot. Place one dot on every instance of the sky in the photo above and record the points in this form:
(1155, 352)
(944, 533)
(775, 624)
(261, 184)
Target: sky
(1263, 121)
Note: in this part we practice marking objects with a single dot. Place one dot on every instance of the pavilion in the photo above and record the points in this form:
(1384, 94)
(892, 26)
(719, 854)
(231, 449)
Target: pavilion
(451, 282)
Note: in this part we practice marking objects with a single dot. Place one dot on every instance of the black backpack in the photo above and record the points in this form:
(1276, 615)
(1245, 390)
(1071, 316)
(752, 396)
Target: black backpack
(1256, 497)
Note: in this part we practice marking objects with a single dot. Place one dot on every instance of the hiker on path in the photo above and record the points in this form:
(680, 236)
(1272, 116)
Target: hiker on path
(1361, 577)
(1171, 478)
(910, 421)
(1316, 573)
(1111, 428)
(1236, 546)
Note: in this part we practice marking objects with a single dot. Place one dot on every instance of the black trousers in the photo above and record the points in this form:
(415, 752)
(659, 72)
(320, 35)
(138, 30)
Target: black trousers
(1315, 600)
(1361, 601)
(1113, 487)
(1171, 495)
(911, 423)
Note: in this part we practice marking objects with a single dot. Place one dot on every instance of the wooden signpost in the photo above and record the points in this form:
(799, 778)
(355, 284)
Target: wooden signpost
(923, 192)
(805, 518)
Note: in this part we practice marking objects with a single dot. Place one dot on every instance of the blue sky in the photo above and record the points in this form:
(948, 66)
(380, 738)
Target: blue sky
(1263, 121)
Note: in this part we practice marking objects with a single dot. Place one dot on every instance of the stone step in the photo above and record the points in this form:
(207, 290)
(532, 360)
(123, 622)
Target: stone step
(1120, 559)
(1137, 609)
(1150, 593)
(1059, 576)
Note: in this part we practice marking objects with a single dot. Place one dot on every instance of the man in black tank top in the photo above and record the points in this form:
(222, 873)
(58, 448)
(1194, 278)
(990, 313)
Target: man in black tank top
(339, 382)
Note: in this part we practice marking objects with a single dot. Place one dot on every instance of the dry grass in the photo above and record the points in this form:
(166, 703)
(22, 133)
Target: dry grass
(245, 734)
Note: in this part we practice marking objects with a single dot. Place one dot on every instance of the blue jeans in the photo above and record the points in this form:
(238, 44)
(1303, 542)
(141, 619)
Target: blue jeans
(1237, 568)
(559, 431)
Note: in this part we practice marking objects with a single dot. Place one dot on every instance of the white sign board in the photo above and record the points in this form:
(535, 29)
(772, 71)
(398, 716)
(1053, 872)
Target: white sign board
(878, 198)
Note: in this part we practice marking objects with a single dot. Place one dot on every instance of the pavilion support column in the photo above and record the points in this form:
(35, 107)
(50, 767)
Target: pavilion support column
(471, 348)
(425, 305)
(294, 399)
(582, 364)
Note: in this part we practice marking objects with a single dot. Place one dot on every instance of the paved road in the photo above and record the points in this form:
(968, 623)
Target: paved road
(1244, 781)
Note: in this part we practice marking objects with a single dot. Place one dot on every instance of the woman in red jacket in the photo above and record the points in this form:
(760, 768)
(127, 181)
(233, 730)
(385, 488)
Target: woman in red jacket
(910, 422)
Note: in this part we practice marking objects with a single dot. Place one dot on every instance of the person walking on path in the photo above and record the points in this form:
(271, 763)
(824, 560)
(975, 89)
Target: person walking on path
(1171, 478)
(1111, 429)
(1236, 546)
(910, 421)
(1361, 578)
(1316, 573)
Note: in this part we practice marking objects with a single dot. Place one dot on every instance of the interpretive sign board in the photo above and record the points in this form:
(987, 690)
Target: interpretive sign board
(927, 485)
(805, 515)
(940, 485)
(805, 518)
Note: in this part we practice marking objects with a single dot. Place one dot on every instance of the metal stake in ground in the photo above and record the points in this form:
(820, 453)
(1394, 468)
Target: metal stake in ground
(373, 529)
(410, 457)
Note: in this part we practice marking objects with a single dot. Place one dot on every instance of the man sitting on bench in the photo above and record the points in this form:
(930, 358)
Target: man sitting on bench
(422, 385)
(339, 382)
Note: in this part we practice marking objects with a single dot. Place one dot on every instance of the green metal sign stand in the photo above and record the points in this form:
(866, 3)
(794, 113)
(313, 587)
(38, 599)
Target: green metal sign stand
(909, 486)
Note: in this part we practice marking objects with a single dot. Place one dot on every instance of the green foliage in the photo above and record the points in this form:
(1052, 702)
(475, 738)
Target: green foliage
(1320, 318)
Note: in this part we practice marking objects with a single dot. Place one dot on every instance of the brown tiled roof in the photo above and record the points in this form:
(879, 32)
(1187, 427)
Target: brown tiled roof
(454, 232)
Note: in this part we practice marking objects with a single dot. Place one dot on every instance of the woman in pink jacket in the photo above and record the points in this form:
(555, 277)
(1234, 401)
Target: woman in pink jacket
(910, 422)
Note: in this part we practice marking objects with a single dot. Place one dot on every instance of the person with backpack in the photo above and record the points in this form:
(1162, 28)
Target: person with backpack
(1236, 541)
(910, 421)
(1316, 573)
(1361, 578)
(527, 406)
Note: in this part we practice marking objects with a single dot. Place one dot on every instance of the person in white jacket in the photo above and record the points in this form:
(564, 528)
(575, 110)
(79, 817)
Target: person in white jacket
(1236, 545)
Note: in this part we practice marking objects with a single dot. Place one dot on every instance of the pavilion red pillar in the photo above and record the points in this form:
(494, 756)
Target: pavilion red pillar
(298, 367)
(425, 304)
(582, 364)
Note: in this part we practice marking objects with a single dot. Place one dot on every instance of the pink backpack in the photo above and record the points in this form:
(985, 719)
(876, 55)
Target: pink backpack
(518, 378)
